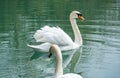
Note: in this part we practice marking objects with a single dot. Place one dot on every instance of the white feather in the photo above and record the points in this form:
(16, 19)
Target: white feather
(44, 47)
(70, 75)
(52, 35)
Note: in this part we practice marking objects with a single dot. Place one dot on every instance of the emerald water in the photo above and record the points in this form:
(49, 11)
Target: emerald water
(98, 57)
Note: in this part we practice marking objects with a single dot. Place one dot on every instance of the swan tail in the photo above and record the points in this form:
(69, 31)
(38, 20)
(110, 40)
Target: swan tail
(35, 47)
(40, 48)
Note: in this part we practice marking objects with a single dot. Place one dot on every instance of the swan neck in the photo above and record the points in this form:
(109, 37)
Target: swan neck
(77, 34)
(59, 69)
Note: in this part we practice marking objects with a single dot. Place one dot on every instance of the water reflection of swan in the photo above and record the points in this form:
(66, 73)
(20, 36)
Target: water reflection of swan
(57, 36)
(73, 57)
(59, 70)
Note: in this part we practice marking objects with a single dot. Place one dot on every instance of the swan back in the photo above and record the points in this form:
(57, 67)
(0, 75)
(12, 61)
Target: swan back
(70, 75)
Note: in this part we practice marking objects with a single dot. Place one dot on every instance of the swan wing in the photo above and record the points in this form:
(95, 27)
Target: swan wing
(52, 35)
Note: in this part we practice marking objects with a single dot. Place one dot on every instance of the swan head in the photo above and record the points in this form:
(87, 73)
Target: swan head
(54, 49)
(76, 14)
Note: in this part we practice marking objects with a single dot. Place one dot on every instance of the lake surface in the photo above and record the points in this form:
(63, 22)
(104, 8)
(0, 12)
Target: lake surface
(99, 57)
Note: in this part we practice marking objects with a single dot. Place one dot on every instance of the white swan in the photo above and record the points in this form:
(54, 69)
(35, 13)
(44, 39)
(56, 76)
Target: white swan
(59, 70)
(56, 35)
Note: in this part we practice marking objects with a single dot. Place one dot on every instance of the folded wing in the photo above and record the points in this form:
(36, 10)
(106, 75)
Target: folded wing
(53, 35)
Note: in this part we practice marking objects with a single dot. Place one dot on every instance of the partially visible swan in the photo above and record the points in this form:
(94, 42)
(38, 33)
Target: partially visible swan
(56, 35)
(59, 70)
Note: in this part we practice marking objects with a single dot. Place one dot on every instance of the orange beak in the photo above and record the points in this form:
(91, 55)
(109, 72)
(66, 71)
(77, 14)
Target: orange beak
(81, 17)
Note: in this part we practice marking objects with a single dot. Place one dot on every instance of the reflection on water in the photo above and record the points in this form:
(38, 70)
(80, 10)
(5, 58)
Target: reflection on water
(19, 19)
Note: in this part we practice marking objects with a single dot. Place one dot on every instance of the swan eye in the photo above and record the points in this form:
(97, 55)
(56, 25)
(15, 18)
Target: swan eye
(79, 14)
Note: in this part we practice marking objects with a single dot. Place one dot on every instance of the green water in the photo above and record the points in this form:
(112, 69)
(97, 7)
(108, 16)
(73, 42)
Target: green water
(99, 56)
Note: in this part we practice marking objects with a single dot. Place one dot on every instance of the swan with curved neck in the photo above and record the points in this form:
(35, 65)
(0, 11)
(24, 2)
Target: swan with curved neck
(77, 34)
(59, 70)
(56, 35)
